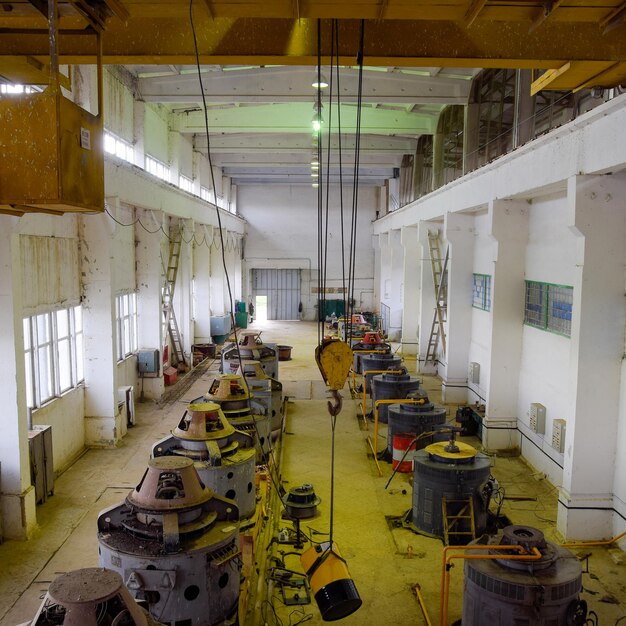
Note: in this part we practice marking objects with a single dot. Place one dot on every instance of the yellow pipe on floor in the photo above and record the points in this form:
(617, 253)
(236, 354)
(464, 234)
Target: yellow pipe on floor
(422, 604)
(602, 542)
(364, 401)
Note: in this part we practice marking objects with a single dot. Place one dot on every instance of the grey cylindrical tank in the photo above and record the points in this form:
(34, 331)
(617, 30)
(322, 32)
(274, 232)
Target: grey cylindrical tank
(223, 456)
(376, 349)
(501, 593)
(378, 362)
(459, 479)
(391, 387)
(176, 545)
(414, 419)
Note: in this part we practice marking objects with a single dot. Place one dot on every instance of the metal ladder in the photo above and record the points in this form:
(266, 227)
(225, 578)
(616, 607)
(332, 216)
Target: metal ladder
(440, 281)
(461, 510)
(170, 325)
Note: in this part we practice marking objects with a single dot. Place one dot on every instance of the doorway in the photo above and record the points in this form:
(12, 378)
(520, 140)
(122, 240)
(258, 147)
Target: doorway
(281, 290)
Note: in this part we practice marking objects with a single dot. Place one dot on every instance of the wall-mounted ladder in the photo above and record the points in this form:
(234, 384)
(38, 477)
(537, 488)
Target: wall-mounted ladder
(440, 281)
(170, 272)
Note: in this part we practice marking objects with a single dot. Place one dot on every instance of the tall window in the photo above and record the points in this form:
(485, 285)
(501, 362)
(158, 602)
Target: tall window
(126, 316)
(481, 292)
(207, 195)
(119, 147)
(549, 307)
(157, 168)
(185, 183)
(53, 354)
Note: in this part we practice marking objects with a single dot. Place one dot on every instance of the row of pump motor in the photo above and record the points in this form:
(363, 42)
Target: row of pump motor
(174, 542)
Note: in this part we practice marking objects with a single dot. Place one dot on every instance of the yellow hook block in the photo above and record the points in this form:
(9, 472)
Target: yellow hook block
(334, 359)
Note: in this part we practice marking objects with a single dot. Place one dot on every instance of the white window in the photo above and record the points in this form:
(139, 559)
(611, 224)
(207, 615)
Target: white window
(186, 184)
(157, 168)
(126, 316)
(206, 195)
(120, 148)
(17, 89)
(53, 354)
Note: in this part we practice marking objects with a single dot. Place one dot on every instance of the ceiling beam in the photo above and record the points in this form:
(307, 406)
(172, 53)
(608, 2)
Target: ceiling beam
(296, 117)
(286, 41)
(473, 11)
(548, 9)
(290, 84)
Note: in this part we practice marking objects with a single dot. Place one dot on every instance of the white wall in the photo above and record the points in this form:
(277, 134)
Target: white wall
(281, 232)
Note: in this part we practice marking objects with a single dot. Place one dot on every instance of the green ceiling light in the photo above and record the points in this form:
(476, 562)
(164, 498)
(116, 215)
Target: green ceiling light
(317, 119)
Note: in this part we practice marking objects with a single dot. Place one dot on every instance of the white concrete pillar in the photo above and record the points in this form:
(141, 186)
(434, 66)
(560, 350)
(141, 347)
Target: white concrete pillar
(598, 219)
(182, 291)
(139, 114)
(18, 496)
(410, 300)
(395, 287)
(509, 233)
(217, 282)
(149, 285)
(201, 277)
(459, 232)
(426, 297)
(102, 420)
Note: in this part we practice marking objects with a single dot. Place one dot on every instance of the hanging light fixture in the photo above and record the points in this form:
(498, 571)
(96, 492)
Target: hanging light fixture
(317, 120)
(319, 80)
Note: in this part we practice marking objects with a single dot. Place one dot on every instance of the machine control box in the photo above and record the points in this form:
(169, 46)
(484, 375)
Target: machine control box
(148, 361)
(537, 418)
(558, 435)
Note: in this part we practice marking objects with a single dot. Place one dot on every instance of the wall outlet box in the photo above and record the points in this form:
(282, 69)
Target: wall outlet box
(558, 435)
(473, 373)
(148, 361)
(537, 418)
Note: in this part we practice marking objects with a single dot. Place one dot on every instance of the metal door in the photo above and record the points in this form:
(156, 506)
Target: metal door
(282, 288)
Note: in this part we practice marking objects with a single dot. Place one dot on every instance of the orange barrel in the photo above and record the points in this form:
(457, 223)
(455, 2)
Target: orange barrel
(402, 442)
(334, 591)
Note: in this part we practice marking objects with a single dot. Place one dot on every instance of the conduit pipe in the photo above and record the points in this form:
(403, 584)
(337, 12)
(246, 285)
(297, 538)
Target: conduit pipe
(446, 565)
(601, 542)
(420, 599)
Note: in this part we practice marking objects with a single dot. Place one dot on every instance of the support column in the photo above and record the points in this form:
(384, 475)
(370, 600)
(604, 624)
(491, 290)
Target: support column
(217, 279)
(459, 232)
(411, 273)
(102, 420)
(182, 290)
(201, 269)
(426, 304)
(19, 518)
(597, 218)
(149, 309)
(396, 284)
(509, 232)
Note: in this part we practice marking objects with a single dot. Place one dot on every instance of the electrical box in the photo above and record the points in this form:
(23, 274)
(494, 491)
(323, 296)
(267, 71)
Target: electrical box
(52, 155)
(537, 418)
(41, 464)
(558, 435)
(148, 361)
(473, 374)
(220, 325)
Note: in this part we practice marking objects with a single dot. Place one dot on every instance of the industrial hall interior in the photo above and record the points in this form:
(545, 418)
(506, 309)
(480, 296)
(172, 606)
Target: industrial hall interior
(313, 311)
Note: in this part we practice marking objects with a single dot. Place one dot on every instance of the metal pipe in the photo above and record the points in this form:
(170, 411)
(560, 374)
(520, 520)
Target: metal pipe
(420, 600)
(369, 441)
(602, 542)
(534, 555)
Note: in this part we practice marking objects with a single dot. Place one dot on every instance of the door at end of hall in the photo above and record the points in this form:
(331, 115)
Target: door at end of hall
(276, 294)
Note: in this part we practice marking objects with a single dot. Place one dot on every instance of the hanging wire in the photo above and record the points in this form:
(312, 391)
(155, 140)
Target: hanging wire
(321, 297)
(355, 186)
(272, 467)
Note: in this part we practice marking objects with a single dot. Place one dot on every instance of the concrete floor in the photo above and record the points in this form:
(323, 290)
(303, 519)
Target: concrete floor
(385, 562)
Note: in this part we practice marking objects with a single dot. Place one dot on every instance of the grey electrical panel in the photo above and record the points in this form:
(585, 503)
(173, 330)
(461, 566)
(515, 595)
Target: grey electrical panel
(537, 418)
(558, 435)
(41, 464)
(148, 361)
(473, 373)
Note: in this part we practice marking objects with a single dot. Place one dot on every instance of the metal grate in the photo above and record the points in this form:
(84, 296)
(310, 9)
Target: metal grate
(481, 292)
(549, 307)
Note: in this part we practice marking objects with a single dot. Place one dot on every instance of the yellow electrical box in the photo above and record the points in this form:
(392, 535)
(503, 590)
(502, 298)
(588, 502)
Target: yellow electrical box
(52, 156)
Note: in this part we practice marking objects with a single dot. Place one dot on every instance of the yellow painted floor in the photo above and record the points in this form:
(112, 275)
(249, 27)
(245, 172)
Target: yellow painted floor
(385, 562)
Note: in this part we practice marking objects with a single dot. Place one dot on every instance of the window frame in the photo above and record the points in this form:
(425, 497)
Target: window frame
(157, 168)
(123, 149)
(185, 183)
(546, 319)
(126, 324)
(41, 333)
(485, 303)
